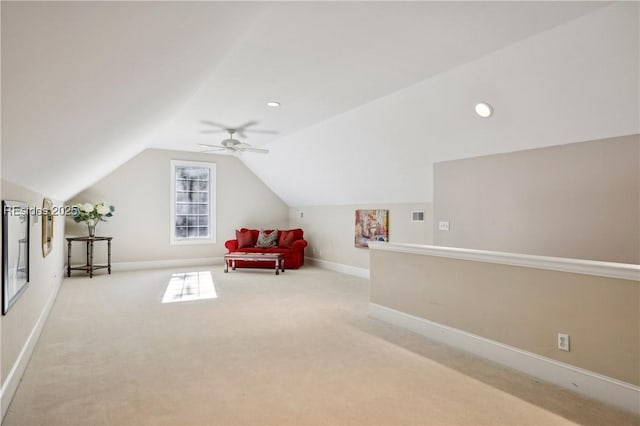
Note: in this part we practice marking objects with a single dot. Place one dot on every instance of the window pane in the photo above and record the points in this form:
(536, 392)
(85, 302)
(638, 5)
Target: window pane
(192, 210)
(181, 185)
(181, 173)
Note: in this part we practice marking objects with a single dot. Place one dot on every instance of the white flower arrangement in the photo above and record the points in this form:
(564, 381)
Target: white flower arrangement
(92, 213)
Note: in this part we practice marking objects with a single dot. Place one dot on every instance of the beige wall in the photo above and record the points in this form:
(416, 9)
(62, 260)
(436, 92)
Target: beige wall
(580, 200)
(518, 306)
(140, 191)
(329, 230)
(45, 276)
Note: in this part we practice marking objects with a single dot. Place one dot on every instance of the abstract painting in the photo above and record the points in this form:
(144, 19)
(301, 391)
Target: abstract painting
(371, 225)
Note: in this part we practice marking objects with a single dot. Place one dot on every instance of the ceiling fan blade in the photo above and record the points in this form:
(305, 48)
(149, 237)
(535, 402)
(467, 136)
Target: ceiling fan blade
(247, 124)
(212, 123)
(242, 132)
(213, 131)
(266, 132)
(243, 128)
(212, 148)
(256, 150)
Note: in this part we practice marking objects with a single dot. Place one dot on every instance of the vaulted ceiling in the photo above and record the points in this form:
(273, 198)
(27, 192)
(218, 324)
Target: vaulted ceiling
(371, 93)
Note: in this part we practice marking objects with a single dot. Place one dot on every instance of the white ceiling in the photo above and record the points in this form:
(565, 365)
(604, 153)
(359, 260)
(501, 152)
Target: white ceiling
(363, 86)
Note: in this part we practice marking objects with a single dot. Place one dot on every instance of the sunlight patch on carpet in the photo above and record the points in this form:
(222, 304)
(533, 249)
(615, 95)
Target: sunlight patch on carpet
(188, 286)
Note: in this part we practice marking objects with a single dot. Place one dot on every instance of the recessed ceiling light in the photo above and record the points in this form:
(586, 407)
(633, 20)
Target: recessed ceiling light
(484, 110)
(273, 104)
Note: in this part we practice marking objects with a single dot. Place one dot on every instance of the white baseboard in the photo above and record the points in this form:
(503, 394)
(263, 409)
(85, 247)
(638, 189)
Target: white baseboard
(171, 263)
(339, 267)
(12, 381)
(612, 391)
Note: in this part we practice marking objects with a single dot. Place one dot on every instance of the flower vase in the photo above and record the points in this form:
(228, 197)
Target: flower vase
(92, 230)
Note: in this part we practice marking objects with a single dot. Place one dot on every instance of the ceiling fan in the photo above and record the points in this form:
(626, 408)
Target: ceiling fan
(233, 145)
(239, 130)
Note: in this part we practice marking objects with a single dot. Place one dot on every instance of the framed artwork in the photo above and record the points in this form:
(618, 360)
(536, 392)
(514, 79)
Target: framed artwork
(371, 225)
(15, 251)
(47, 226)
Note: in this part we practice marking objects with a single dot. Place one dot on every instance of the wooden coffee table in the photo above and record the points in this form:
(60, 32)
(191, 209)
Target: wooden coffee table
(276, 258)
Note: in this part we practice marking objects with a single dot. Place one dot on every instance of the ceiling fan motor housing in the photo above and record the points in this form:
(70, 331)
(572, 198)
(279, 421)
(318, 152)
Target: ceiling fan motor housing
(230, 143)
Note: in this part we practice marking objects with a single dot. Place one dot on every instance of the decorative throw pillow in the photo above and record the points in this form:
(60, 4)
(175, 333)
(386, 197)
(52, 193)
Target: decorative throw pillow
(245, 238)
(267, 240)
(286, 239)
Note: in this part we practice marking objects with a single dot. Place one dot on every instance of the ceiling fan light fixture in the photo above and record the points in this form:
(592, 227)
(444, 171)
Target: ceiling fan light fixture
(273, 104)
(484, 110)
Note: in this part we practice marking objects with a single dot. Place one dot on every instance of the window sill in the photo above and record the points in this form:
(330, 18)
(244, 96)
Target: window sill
(210, 241)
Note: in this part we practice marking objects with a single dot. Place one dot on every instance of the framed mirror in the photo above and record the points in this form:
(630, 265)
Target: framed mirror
(47, 226)
(15, 251)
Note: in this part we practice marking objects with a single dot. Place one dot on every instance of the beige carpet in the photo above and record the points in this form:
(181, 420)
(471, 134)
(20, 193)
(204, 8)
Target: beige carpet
(291, 349)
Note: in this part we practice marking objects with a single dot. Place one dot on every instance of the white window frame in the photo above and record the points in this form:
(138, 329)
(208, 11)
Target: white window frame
(212, 203)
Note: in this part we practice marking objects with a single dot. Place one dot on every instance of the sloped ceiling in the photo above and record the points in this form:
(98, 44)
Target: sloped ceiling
(372, 93)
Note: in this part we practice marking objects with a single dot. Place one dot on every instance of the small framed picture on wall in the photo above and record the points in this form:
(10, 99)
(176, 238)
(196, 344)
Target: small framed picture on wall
(371, 225)
(15, 251)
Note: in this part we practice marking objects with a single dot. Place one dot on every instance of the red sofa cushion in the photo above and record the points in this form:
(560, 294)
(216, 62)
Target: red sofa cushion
(245, 238)
(286, 239)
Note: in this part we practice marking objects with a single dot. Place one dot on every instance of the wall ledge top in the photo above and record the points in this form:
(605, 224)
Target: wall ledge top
(623, 271)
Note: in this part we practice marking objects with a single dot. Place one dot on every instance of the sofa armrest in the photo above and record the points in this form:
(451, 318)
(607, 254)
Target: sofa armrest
(231, 245)
(298, 245)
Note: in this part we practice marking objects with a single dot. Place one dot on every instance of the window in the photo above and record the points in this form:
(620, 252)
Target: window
(192, 202)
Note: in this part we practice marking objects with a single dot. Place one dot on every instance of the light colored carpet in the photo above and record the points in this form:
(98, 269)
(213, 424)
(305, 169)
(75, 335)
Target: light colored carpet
(291, 349)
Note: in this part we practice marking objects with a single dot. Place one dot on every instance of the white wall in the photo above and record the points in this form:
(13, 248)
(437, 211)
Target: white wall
(329, 230)
(578, 81)
(22, 324)
(96, 80)
(140, 191)
(580, 200)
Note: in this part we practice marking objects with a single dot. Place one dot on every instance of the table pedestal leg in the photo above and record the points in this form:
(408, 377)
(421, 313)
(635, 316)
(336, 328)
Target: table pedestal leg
(88, 264)
(91, 259)
(68, 258)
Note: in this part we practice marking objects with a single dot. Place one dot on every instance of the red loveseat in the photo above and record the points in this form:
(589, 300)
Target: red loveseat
(290, 242)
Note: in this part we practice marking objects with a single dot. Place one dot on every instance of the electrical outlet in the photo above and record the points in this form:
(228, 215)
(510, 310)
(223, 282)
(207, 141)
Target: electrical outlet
(443, 225)
(563, 342)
